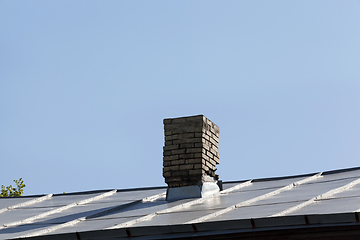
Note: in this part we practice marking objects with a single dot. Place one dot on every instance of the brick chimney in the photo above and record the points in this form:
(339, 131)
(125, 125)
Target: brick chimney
(190, 157)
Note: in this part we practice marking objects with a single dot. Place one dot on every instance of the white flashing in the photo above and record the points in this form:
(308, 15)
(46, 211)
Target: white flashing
(78, 220)
(319, 197)
(36, 200)
(54, 228)
(250, 201)
(178, 207)
(56, 210)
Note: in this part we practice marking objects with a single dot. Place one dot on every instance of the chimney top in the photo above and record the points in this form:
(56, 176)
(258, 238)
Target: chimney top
(190, 157)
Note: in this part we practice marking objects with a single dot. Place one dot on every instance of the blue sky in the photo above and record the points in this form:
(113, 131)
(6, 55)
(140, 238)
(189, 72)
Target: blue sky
(85, 85)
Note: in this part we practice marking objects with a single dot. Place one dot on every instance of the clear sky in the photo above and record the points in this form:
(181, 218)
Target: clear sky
(85, 86)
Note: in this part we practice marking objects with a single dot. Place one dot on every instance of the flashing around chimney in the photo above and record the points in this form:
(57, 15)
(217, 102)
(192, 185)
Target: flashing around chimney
(190, 157)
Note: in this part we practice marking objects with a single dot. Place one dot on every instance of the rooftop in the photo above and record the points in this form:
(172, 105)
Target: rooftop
(328, 199)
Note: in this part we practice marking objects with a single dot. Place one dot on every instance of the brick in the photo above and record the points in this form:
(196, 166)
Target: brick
(168, 138)
(166, 169)
(207, 137)
(167, 121)
(169, 127)
(217, 160)
(178, 120)
(180, 173)
(195, 160)
(198, 135)
(188, 135)
(213, 141)
(186, 167)
(209, 154)
(168, 133)
(198, 145)
(172, 179)
(209, 165)
(198, 155)
(174, 168)
(177, 162)
(167, 143)
(178, 151)
(186, 156)
(166, 163)
(215, 147)
(175, 136)
(172, 157)
(205, 157)
(196, 172)
(171, 147)
(166, 153)
(194, 150)
(166, 174)
(187, 145)
(206, 146)
(193, 140)
(212, 150)
(212, 162)
(198, 166)
(178, 141)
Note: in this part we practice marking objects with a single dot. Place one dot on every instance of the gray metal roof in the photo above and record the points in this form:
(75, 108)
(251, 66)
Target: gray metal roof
(329, 197)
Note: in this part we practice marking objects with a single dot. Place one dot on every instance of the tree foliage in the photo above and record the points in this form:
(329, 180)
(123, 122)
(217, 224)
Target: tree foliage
(11, 191)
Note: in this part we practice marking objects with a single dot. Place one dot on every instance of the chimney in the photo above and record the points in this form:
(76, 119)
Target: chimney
(190, 157)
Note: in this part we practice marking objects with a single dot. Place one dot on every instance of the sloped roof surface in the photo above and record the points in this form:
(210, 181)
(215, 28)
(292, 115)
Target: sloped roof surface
(335, 192)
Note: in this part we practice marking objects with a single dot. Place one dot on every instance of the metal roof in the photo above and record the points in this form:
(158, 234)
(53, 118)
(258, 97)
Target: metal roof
(312, 199)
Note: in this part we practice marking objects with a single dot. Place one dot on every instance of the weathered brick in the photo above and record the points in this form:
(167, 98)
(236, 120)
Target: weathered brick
(167, 121)
(217, 160)
(198, 166)
(174, 168)
(187, 145)
(166, 169)
(179, 120)
(215, 147)
(198, 155)
(212, 162)
(166, 163)
(193, 140)
(178, 141)
(186, 167)
(195, 160)
(213, 141)
(167, 143)
(166, 153)
(198, 145)
(168, 138)
(167, 174)
(194, 150)
(177, 162)
(196, 172)
(207, 137)
(172, 179)
(178, 151)
(172, 157)
(180, 173)
(208, 153)
(168, 133)
(188, 135)
(171, 147)
(169, 127)
(186, 156)
(198, 135)
(212, 150)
